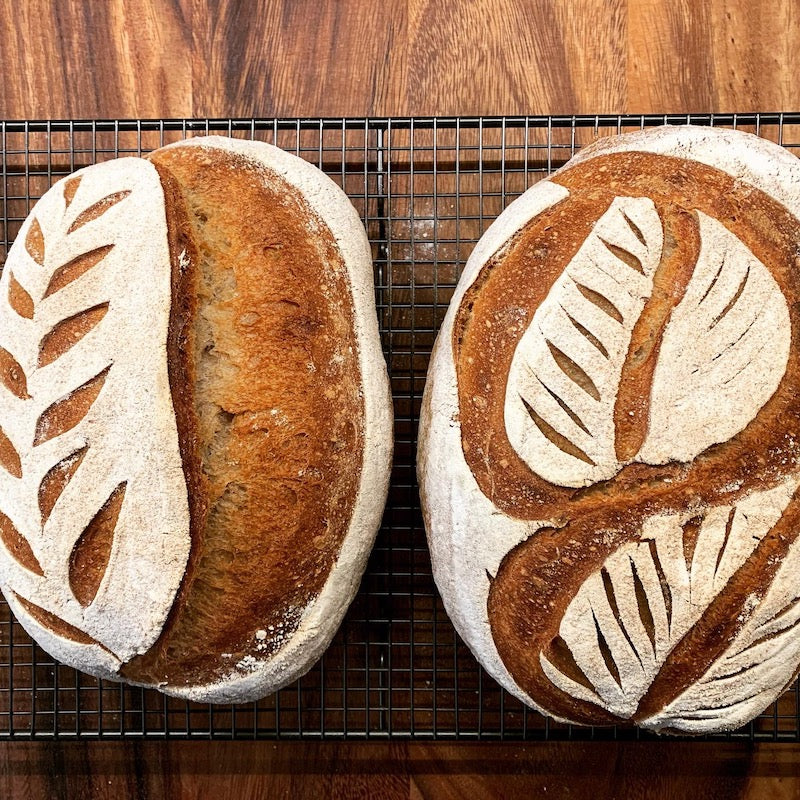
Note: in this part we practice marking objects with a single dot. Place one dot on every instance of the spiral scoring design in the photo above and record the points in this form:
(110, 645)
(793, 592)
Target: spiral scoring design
(663, 456)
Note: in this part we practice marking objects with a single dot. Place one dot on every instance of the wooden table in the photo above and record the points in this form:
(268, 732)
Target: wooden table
(154, 58)
(175, 58)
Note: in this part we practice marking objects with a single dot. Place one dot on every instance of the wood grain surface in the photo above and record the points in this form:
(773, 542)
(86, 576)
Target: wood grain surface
(174, 58)
(397, 771)
(150, 58)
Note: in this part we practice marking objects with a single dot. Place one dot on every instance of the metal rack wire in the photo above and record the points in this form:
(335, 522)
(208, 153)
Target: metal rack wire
(426, 190)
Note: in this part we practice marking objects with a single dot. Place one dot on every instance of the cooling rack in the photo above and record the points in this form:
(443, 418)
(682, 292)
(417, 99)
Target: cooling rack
(426, 190)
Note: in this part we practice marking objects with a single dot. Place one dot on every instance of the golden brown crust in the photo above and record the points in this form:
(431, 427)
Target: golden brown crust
(537, 580)
(272, 361)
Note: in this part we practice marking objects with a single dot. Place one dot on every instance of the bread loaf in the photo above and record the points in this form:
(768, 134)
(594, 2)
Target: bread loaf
(610, 435)
(195, 423)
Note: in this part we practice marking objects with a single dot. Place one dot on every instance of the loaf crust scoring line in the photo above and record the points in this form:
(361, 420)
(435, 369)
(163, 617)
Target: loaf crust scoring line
(322, 616)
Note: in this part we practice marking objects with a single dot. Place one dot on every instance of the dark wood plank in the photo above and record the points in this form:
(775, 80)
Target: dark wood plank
(398, 771)
(395, 771)
(290, 58)
(420, 57)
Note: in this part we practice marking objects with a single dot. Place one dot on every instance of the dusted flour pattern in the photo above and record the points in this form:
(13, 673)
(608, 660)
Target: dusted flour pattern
(616, 379)
(84, 396)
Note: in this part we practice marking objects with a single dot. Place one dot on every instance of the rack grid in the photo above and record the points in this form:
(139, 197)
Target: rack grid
(426, 190)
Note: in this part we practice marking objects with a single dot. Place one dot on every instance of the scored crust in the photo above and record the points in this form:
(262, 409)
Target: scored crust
(283, 425)
(630, 576)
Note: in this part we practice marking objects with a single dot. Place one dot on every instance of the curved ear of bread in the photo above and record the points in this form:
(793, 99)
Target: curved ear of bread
(610, 435)
(195, 420)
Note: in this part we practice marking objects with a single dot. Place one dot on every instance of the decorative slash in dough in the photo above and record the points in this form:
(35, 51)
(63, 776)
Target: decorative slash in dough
(610, 435)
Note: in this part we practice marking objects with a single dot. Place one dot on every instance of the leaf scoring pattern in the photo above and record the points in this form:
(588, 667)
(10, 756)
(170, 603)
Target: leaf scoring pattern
(92, 551)
(728, 337)
(70, 188)
(650, 594)
(60, 312)
(12, 376)
(67, 333)
(574, 372)
(56, 480)
(562, 382)
(602, 302)
(65, 414)
(9, 457)
(56, 624)
(554, 436)
(96, 210)
(17, 545)
(19, 300)
(74, 269)
(34, 243)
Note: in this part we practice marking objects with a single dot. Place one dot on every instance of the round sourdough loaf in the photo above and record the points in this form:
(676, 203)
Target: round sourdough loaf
(610, 435)
(195, 421)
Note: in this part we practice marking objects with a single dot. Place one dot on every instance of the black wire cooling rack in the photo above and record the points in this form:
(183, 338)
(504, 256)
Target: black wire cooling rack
(426, 190)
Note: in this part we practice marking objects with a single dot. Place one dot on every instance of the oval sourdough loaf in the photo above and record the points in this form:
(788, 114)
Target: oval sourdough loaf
(195, 423)
(611, 430)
